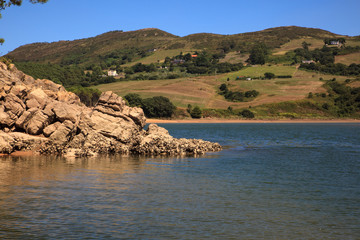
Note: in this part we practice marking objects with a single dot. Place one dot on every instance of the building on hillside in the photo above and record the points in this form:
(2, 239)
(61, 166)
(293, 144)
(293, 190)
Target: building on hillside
(337, 42)
(308, 61)
(112, 73)
(178, 61)
(194, 56)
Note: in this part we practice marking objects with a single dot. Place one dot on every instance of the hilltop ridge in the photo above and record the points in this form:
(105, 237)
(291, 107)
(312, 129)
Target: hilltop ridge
(87, 50)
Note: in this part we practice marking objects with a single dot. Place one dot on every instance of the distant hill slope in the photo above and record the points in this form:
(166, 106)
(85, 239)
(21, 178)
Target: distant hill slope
(89, 50)
(83, 50)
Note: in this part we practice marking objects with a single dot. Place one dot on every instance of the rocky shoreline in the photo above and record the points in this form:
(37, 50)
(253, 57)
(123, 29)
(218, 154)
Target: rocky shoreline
(41, 116)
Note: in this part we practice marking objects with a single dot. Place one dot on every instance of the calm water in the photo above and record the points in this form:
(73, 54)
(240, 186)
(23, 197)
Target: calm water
(272, 181)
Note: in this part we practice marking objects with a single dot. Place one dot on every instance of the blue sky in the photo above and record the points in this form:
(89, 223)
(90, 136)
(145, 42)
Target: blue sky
(74, 19)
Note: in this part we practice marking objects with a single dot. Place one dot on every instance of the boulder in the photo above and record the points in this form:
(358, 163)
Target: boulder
(14, 104)
(40, 96)
(37, 122)
(62, 133)
(32, 103)
(6, 143)
(64, 111)
(5, 119)
(51, 128)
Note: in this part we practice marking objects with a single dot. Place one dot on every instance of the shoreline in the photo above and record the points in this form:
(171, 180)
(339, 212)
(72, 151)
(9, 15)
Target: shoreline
(250, 121)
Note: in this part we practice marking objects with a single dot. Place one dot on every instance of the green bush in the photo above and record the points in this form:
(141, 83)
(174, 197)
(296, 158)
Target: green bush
(269, 75)
(246, 113)
(158, 106)
(88, 96)
(196, 112)
(134, 100)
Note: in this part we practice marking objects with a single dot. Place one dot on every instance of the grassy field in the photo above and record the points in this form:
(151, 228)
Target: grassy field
(352, 43)
(158, 56)
(203, 90)
(296, 43)
(348, 59)
(259, 71)
(234, 57)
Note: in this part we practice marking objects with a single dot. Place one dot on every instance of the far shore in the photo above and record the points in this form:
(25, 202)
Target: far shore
(207, 120)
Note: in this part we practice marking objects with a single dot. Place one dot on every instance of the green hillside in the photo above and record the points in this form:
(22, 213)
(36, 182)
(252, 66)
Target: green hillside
(90, 49)
(140, 43)
(284, 72)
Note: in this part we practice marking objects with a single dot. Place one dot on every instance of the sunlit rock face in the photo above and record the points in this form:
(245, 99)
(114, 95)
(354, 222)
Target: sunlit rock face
(42, 116)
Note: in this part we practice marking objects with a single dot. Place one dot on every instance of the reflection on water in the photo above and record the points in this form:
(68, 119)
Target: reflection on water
(271, 181)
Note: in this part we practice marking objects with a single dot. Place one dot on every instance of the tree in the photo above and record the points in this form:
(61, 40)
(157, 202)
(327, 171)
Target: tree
(258, 54)
(7, 3)
(223, 88)
(134, 100)
(269, 75)
(247, 113)
(196, 112)
(88, 96)
(158, 106)
(189, 108)
(305, 45)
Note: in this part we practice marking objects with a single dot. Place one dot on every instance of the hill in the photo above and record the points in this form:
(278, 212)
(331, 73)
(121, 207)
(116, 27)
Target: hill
(88, 50)
(292, 75)
(134, 45)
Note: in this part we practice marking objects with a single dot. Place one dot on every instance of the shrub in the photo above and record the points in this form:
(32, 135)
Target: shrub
(196, 112)
(269, 75)
(134, 100)
(158, 106)
(88, 96)
(247, 113)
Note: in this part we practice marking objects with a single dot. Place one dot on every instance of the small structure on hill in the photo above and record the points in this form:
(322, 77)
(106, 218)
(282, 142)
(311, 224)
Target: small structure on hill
(112, 73)
(308, 61)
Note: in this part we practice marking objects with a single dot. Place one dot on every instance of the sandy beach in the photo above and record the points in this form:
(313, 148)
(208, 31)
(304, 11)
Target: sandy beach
(250, 121)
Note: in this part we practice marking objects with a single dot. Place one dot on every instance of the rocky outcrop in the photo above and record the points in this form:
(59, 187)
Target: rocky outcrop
(42, 116)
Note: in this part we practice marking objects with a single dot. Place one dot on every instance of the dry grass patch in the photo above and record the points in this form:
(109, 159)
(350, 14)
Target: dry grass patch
(296, 43)
(159, 56)
(348, 58)
(203, 91)
(235, 57)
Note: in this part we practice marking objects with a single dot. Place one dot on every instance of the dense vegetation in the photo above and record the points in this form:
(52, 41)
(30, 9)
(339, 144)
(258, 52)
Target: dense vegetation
(88, 96)
(324, 55)
(155, 107)
(335, 69)
(237, 96)
(344, 100)
(258, 54)
(202, 63)
(68, 76)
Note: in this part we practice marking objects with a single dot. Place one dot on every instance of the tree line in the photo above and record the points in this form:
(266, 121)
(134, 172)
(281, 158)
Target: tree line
(155, 107)
(345, 99)
(237, 96)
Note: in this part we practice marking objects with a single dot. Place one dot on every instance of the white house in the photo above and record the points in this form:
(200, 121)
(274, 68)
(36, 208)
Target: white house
(335, 42)
(308, 61)
(112, 73)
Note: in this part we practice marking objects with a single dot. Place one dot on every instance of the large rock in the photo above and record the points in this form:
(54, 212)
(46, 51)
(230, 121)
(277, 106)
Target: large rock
(63, 125)
(14, 104)
(6, 143)
(64, 111)
(39, 96)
